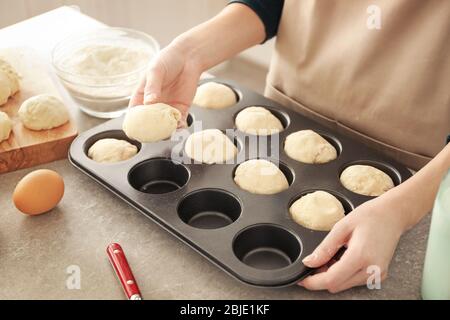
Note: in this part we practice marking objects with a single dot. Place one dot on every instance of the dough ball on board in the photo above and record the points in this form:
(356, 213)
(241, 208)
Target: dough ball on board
(43, 112)
(151, 123)
(318, 210)
(308, 146)
(13, 77)
(210, 146)
(366, 180)
(5, 88)
(5, 126)
(214, 95)
(111, 150)
(260, 177)
(258, 120)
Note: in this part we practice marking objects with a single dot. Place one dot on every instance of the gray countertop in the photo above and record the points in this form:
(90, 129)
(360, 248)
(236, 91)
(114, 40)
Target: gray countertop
(35, 252)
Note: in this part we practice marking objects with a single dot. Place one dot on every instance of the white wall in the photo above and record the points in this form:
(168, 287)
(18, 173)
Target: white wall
(164, 19)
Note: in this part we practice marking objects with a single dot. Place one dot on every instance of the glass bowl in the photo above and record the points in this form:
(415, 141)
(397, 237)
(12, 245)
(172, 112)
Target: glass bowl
(105, 94)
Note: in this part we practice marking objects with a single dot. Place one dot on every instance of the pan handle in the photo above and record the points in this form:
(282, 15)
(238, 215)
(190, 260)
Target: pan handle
(123, 271)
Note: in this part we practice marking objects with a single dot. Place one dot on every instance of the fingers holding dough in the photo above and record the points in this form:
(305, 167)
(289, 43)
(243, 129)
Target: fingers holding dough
(151, 123)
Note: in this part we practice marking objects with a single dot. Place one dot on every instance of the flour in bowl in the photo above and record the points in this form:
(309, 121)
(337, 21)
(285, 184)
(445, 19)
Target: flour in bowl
(106, 60)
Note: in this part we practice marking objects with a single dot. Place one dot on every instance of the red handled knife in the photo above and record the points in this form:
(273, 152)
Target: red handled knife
(123, 271)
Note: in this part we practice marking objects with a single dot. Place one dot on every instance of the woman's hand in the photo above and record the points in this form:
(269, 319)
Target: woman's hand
(371, 233)
(171, 78)
(173, 75)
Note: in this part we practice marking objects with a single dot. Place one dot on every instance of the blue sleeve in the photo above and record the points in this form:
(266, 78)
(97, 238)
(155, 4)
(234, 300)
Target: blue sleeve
(448, 139)
(269, 11)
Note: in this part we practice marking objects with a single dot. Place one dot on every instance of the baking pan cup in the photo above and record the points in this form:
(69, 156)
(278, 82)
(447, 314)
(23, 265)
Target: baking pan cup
(252, 237)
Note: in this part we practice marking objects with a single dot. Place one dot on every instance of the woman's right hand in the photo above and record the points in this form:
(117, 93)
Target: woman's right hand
(171, 78)
(173, 74)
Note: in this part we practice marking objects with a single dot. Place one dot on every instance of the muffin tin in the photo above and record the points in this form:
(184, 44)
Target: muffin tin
(251, 237)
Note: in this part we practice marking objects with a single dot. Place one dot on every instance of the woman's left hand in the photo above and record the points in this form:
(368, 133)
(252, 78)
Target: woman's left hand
(370, 233)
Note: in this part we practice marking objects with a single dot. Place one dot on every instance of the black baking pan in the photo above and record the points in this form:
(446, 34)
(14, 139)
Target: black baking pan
(251, 237)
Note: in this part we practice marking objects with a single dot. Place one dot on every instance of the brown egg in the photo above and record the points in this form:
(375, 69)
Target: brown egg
(38, 192)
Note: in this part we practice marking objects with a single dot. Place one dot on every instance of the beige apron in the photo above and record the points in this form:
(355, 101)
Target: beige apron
(388, 87)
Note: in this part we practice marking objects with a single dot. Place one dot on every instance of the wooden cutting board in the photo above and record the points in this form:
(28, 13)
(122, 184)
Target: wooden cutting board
(27, 148)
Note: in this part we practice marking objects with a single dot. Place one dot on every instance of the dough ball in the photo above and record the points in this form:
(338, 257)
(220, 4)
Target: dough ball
(5, 126)
(210, 146)
(260, 177)
(151, 123)
(5, 88)
(43, 112)
(318, 210)
(11, 74)
(309, 147)
(366, 180)
(258, 120)
(214, 95)
(111, 150)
